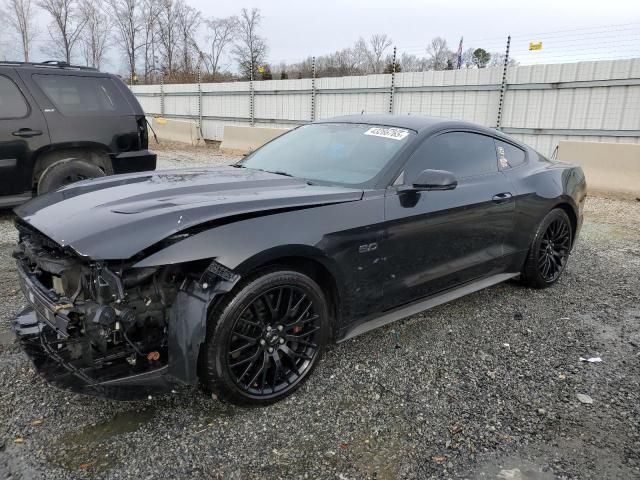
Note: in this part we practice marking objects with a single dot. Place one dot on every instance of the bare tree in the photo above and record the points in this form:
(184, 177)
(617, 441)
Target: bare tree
(21, 19)
(412, 63)
(126, 15)
(378, 44)
(439, 54)
(371, 54)
(343, 62)
(467, 58)
(149, 20)
(168, 33)
(251, 49)
(189, 20)
(95, 36)
(66, 27)
(497, 60)
(221, 33)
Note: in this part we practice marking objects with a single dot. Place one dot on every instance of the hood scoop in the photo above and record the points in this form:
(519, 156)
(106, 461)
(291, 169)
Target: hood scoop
(164, 204)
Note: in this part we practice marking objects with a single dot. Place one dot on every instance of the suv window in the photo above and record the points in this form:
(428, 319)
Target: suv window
(12, 103)
(75, 95)
(462, 153)
(509, 156)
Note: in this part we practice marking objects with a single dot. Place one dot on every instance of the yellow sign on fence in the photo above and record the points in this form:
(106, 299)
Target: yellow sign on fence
(535, 46)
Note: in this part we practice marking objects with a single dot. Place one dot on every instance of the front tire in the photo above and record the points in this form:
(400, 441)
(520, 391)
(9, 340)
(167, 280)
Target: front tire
(265, 339)
(549, 251)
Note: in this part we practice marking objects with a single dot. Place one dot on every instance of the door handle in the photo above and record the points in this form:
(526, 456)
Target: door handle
(26, 133)
(501, 197)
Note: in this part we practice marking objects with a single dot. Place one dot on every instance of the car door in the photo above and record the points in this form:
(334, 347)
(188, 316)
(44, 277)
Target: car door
(23, 131)
(439, 239)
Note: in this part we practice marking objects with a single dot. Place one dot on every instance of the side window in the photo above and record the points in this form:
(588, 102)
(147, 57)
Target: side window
(508, 155)
(76, 95)
(12, 103)
(462, 153)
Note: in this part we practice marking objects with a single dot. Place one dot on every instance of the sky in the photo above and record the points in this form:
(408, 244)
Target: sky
(294, 30)
(297, 29)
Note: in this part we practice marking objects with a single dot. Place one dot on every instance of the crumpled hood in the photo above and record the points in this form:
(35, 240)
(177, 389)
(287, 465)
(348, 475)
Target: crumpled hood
(116, 217)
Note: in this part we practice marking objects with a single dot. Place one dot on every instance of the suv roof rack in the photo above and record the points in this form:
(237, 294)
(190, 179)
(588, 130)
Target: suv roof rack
(48, 64)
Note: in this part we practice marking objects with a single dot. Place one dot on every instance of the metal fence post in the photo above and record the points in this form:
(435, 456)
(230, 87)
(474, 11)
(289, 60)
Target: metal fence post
(503, 87)
(162, 94)
(251, 97)
(313, 89)
(199, 71)
(393, 81)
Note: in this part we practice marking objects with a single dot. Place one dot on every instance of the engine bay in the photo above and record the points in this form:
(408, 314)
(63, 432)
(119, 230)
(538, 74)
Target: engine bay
(110, 321)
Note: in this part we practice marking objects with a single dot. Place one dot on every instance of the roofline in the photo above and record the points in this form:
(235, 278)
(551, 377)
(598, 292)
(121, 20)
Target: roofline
(54, 64)
(344, 120)
(430, 125)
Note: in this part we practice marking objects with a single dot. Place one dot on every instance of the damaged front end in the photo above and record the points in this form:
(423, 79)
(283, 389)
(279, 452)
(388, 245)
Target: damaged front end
(107, 329)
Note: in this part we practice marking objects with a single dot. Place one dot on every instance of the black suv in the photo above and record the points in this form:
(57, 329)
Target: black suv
(62, 123)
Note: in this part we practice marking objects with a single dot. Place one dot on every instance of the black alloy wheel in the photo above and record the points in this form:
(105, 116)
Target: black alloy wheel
(265, 339)
(272, 343)
(549, 251)
(554, 250)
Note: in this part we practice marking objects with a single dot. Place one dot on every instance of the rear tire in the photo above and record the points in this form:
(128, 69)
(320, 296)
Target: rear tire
(265, 339)
(549, 251)
(66, 172)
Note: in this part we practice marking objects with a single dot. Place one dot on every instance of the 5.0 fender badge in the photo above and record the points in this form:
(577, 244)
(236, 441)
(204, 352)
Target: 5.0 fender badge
(368, 248)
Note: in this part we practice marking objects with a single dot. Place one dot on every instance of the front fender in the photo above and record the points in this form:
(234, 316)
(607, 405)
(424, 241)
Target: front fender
(305, 232)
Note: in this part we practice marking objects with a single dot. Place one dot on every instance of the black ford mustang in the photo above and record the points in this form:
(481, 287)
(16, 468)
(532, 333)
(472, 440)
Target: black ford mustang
(237, 277)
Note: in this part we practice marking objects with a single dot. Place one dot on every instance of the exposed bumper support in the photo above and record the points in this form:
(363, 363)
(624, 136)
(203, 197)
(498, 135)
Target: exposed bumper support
(39, 340)
(42, 331)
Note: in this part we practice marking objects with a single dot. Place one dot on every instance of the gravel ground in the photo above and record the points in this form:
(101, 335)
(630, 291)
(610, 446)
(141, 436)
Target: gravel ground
(483, 387)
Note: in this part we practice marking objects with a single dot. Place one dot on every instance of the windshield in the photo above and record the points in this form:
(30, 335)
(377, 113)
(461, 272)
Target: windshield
(340, 153)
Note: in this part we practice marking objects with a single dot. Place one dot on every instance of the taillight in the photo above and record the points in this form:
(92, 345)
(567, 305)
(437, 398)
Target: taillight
(143, 134)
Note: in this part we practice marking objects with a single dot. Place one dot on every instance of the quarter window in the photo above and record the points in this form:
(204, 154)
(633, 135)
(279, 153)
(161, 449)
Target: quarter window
(462, 153)
(76, 95)
(12, 103)
(508, 155)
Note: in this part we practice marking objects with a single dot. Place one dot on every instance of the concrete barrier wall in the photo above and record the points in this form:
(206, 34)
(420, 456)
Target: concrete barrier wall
(241, 140)
(609, 167)
(184, 131)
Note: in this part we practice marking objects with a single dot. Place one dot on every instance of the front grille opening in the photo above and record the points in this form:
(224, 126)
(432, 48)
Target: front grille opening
(46, 279)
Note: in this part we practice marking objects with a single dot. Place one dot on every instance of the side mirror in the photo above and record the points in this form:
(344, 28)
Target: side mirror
(434, 180)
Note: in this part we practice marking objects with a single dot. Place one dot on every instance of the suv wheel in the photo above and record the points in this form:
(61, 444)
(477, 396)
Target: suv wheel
(265, 340)
(66, 172)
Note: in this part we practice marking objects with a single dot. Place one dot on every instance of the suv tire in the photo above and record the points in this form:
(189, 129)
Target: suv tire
(66, 172)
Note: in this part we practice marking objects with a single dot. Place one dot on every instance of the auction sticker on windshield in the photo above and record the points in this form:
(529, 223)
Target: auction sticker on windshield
(385, 132)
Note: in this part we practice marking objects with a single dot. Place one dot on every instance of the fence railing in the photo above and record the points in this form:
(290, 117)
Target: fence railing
(539, 104)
